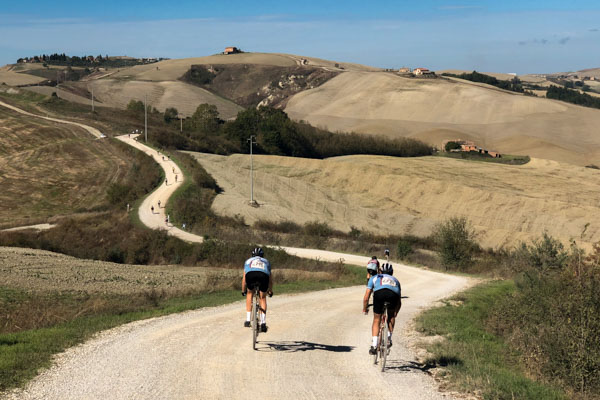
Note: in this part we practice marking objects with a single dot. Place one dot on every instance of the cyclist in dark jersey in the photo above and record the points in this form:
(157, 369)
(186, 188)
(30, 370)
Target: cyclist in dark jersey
(385, 288)
(257, 271)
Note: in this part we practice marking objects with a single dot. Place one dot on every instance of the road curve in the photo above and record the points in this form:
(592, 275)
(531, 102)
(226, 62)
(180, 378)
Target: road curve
(316, 346)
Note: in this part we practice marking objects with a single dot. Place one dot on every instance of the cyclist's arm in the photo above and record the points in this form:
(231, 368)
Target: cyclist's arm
(366, 300)
(243, 282)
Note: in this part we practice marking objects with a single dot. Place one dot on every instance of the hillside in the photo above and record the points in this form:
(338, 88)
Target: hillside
(438, 109)
(506, 204)
(50, 169)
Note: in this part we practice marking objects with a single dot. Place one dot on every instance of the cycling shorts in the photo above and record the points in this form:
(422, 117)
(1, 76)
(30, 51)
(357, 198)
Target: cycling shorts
(257, 278)
(385, 295)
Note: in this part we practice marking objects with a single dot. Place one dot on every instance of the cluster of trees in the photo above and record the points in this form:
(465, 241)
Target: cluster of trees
(572, 96)
(513, 85)
(83, 61)
(275, 134)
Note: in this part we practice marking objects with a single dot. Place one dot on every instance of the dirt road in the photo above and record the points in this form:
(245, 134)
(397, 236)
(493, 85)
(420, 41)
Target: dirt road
(316, 346)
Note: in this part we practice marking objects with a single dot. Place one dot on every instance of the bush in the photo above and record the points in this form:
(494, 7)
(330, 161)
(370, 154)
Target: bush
(404, 249)
(455, 241)
(553, 319)
(545, 255)
(451, 146)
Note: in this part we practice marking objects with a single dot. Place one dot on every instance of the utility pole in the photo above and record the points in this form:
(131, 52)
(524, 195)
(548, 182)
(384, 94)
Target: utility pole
(181, 123)
(92, 100)
(252, 141)
(145, 118)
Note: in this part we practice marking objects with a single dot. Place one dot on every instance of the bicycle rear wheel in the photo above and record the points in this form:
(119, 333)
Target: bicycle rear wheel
(384, 341)
(254, 320)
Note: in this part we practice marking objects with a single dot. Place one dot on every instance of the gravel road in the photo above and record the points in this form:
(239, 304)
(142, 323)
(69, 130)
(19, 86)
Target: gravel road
(316, 348)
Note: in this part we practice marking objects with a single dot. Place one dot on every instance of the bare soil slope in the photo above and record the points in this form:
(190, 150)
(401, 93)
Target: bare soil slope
(161, 95)
(505, 203)
(42, 271)
(384, 103)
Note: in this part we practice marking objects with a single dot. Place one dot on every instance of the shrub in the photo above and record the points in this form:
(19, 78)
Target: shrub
(545, 255)
(404, 249)
(455, 240)
(451, 146)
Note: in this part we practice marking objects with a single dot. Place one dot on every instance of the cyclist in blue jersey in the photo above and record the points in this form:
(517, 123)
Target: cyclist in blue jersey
(372, 268)
(385, 288)
(257, 271)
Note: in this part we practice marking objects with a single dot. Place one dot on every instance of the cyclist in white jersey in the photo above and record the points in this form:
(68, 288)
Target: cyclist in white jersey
(385, 288)
(257, 272)
(372, 267)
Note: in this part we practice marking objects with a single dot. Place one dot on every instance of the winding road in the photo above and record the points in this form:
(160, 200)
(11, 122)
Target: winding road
(316, 346)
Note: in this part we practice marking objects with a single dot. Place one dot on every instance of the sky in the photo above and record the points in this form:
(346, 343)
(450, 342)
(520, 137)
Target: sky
(528, 36)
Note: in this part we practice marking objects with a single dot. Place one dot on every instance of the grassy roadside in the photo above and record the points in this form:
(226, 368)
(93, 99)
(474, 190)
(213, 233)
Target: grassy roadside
(475, 360)
(24, 354)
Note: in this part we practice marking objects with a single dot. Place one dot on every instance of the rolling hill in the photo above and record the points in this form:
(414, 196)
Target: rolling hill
(505, 203)
(438, 109)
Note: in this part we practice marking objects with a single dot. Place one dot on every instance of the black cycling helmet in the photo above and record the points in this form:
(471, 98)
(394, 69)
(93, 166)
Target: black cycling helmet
(258, 252)
(374, 258)
(387, 269)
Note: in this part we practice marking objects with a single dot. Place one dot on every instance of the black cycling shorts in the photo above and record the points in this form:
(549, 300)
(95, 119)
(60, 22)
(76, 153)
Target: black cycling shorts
(385, 295)
(257, 278)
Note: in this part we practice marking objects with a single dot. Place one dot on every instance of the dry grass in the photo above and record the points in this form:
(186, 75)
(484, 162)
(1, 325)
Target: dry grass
(402, 196)
(438, 109)
(161, 95)
(51, 169)
(43, 271)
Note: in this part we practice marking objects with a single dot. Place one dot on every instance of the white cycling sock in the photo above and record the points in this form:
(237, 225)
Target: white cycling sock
(248, 315)
(374, 341)
(389, 334)
(263, 318)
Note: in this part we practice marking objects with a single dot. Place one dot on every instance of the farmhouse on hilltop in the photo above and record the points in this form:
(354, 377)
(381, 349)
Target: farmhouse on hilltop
(467, 146)
(423, 71)
(231, 50)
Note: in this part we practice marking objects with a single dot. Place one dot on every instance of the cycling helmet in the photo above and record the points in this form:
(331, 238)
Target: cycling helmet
(387, 269)
(258, 252)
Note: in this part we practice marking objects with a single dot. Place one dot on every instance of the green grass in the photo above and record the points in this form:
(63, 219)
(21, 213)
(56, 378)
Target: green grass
(24, 354)
(505, 159)
(475, 360)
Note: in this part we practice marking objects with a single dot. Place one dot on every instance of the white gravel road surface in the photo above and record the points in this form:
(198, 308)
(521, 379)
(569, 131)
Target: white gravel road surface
(316, 348)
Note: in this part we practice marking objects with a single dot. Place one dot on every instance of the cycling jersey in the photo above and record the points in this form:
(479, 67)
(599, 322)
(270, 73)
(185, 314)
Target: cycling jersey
(372, 266)
(257, 264)
(383, 281)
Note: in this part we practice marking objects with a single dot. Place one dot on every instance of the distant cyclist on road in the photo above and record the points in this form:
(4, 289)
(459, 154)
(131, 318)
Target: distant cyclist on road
(257, 271)
(372, 268)
(385, 288)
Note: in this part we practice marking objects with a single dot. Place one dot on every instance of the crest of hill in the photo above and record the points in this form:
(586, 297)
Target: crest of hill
(173, 69)
(427, 109)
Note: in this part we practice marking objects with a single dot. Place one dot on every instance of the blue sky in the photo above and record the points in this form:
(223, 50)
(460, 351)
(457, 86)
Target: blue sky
(502, 36)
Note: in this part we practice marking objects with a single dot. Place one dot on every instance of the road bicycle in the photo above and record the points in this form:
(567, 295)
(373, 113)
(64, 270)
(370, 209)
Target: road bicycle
(382, 339)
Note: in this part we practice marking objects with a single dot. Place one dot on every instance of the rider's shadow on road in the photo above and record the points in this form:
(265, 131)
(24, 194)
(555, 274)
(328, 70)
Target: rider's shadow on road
(294, 346)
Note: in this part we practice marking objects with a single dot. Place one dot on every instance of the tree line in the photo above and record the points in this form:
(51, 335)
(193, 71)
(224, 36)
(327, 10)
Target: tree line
(275, 134)
(572, 96)
(514, 85)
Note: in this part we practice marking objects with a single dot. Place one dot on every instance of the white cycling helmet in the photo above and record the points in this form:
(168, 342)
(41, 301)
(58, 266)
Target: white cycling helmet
(387, 269)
